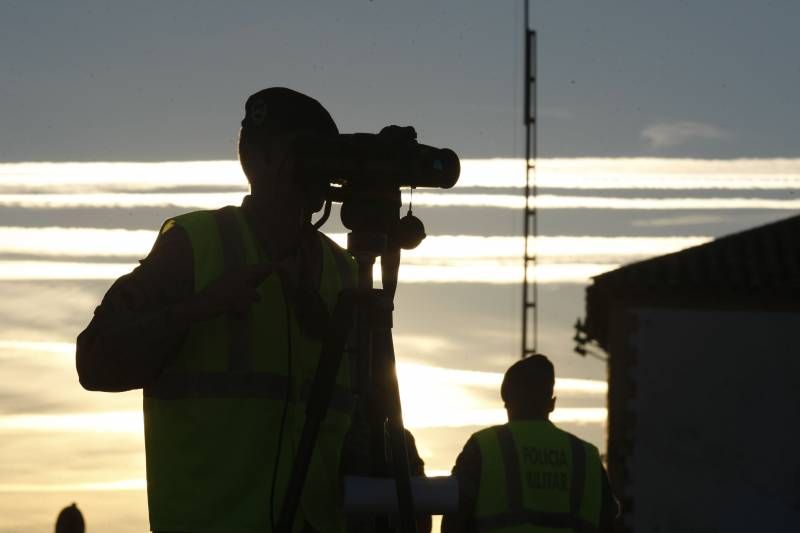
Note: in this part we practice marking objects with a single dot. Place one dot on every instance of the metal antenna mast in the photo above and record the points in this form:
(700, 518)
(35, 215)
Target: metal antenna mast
(529, 289)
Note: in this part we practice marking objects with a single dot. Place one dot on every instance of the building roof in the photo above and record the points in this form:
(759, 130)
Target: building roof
(761, 257)
(750, 268)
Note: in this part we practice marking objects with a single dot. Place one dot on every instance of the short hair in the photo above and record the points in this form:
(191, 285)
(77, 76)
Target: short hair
(528, 382)
(275, 111)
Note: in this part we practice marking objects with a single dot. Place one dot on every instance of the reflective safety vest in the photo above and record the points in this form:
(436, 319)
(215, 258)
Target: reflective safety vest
(536, 478)
(212, 420)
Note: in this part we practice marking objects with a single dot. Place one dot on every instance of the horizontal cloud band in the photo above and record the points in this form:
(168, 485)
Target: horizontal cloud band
(580, 173)
(60, 243)
(422, 199)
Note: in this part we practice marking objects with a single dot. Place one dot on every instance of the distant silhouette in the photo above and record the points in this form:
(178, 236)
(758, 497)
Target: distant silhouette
(528, 474)
(70, 520)
(220, 326)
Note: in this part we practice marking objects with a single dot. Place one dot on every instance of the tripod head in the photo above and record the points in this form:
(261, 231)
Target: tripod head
(375, 223)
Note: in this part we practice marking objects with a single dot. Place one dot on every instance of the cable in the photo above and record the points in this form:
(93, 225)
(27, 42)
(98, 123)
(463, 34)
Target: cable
(285, 407)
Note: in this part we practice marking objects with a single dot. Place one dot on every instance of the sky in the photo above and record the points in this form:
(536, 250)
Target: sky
(662, 125)
(145, 81)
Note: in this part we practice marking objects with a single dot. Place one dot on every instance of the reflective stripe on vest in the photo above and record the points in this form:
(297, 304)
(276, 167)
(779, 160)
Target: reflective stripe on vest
(516, 515)
(578, 476)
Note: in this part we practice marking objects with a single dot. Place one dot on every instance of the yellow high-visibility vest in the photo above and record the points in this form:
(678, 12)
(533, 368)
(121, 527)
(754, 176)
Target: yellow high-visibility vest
(536, 478)
(213, 417)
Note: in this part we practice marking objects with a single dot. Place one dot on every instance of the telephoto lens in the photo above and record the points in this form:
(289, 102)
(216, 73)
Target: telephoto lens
(388, 160)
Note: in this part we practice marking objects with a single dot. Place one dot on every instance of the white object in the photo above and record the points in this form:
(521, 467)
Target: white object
(432, 495)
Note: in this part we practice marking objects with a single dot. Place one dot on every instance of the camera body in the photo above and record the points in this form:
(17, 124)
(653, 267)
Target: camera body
(365, 161)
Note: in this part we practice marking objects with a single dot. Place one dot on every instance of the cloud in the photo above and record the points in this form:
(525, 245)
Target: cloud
(689, 220)
(676, 133)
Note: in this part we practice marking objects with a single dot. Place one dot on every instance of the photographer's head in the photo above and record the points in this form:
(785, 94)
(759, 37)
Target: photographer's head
(527, 389)
(274, 117)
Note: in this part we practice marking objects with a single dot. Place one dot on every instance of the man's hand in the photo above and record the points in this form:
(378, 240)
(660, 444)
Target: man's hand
(233, 292)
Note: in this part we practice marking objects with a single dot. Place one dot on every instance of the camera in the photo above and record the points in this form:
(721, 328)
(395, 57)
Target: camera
(364, 161)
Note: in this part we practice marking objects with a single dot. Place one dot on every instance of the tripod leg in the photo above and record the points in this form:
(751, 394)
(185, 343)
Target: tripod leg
(384, 350)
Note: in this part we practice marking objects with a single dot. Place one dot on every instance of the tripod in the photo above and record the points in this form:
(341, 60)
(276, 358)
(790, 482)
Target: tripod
(377, 231)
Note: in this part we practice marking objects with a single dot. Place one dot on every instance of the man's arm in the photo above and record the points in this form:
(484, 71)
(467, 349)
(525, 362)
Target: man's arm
(468, 471)
(145, 315)
(134, 330)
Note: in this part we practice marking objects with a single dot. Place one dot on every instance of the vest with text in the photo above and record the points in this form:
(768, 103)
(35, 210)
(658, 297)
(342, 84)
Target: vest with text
(214, 416)
(536, 478)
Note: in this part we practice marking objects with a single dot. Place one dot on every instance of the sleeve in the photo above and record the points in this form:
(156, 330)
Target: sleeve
(132, 332)
(468, 472)
(416, 465)
(610, 509)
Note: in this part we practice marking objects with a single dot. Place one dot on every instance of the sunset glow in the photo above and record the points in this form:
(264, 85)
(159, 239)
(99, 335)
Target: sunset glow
(588, 137)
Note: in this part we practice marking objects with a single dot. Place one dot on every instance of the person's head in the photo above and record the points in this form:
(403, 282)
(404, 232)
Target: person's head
(70, 520)
(273, 118)
(527, 389)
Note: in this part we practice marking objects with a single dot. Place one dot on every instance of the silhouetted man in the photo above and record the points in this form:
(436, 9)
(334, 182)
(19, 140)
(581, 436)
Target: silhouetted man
(221, 326)
(70, 520)
(528, 474)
